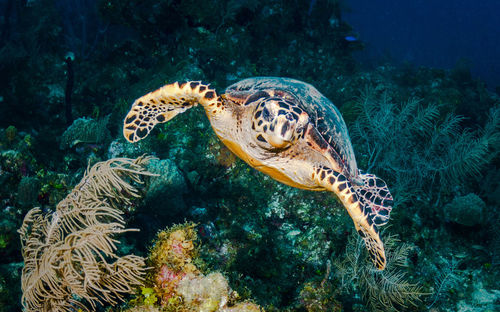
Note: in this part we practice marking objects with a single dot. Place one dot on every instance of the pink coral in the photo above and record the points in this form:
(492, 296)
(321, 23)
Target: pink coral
(177, 247)
(167, 278)
(167, 281)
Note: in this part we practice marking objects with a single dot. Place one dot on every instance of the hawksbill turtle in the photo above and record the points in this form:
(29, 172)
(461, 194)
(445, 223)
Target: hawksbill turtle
(284, 128)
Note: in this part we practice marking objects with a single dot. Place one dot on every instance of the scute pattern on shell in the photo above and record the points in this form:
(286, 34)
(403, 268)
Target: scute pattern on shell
(322, 112)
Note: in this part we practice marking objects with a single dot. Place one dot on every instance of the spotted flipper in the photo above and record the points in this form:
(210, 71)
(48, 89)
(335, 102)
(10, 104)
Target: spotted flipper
(163, 104)
(375, 196)
(359, 211)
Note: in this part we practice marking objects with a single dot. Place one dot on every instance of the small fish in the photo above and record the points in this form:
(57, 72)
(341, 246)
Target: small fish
(350, 38)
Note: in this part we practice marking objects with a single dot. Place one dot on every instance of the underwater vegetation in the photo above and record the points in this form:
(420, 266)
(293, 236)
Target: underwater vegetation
(176, 283)
(214, 233)
(387, 290)
(69, 254)
(421, 145)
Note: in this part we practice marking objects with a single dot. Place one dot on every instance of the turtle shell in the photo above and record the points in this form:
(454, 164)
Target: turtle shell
(322, 112)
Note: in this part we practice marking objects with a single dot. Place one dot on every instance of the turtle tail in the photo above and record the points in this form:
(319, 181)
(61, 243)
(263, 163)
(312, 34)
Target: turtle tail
(163, 104)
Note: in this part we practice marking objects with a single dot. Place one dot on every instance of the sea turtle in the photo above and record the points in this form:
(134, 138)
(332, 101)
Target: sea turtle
(286, 129)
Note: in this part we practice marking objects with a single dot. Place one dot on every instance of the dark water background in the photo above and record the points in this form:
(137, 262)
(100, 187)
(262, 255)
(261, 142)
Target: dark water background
(430, 33)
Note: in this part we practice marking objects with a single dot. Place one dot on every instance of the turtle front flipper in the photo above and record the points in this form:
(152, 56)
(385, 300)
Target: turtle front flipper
(375, 195)
(359, 211)
(164, 104)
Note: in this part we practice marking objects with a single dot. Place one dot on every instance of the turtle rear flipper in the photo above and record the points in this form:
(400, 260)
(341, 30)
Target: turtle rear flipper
(164, 104)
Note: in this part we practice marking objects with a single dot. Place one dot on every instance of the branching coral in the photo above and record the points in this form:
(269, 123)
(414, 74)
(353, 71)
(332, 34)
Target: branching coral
(69, 254)
(445, 280)
(418, 146)
(382, 290)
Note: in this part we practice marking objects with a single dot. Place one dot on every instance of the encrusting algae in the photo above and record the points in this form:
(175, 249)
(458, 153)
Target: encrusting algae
(175, 283)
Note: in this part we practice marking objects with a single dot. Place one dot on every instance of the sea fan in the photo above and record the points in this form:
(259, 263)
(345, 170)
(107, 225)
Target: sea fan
(69, 254)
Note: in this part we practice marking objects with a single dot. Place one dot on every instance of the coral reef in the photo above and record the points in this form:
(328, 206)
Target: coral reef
(165, 192)
(446, 281)
(387, 290)
(209, 292)
(27, 191)
(71, 251)
(320, 296)
(429, 149)
(10, 133)
(431, 133)
(86, 131)
(176, 283)
(468, 210)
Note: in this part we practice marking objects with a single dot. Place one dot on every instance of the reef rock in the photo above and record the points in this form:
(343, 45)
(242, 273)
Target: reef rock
(466, 210)
(165, 192)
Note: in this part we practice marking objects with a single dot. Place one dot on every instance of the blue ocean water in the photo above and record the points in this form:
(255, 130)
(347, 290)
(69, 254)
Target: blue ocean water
(431, 33)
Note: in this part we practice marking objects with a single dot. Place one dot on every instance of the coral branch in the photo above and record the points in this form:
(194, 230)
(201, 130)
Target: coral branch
(69, 254)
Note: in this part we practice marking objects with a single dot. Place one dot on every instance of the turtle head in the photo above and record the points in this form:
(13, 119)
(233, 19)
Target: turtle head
(278, 123)
(164, 104)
